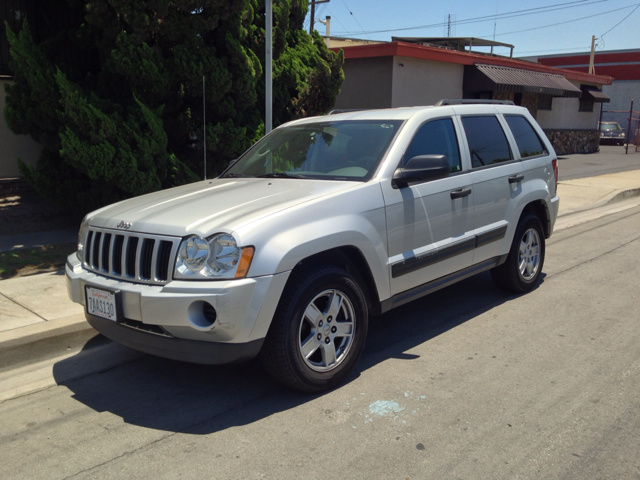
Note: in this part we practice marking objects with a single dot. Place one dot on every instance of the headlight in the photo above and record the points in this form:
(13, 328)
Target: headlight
(82, 236)
(622, 134)
(216, 257)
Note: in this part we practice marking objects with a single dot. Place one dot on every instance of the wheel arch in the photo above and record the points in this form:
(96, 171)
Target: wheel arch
(540, 209)
(354, 261)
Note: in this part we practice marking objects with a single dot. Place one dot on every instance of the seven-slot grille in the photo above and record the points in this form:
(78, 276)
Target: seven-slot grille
(135, 257)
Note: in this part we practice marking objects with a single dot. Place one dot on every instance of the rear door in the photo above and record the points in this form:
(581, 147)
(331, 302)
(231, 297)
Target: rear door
(496, 176)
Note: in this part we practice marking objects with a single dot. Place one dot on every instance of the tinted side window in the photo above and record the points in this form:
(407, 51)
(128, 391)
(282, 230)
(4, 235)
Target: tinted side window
(437, 137)
(487, 142)
(527, 140)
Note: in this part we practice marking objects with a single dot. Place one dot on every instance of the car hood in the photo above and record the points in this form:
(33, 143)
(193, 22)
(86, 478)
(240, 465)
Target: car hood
(211, 206)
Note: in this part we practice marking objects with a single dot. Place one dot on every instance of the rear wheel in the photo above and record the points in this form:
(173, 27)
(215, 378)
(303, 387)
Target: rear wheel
(318, 331)
(521, 271)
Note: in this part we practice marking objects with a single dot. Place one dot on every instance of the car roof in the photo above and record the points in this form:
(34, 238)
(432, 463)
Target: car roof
(404, 113)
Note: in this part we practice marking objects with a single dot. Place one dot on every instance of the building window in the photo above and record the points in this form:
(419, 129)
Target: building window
(544, 102)
(586, 100)
(517, 99)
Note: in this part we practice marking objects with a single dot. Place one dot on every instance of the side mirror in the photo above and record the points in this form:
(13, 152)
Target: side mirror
(422, 168)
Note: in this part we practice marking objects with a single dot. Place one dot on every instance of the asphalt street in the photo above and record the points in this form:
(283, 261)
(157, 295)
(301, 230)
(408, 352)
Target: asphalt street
(610, 159)
(469, 382)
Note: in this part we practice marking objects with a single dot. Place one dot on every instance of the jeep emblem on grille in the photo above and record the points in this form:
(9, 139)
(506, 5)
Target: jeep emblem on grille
(124, 225)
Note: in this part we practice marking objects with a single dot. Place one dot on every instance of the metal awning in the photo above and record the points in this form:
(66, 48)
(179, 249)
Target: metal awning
(596, 95)
(497, 78)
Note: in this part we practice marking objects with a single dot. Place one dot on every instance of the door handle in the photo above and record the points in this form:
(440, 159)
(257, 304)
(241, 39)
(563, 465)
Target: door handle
(463, 192)
(516, 178)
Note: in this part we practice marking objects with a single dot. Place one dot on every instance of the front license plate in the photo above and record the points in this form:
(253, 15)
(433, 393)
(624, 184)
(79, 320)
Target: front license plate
(102, 303)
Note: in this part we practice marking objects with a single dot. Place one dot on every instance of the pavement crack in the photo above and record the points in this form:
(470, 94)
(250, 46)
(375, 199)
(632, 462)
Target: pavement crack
(565, 236)
(23, 306)
(28, 394)
(597, 257)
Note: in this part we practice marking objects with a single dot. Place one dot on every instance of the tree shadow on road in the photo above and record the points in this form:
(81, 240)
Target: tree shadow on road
(174, 396)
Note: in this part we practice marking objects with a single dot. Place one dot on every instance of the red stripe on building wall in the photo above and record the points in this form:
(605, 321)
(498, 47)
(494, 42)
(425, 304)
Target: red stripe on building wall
(618, 72)
(598, 58)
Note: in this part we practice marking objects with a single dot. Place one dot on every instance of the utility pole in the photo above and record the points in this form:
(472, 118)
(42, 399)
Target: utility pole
(592, 69)
(313, 13)
(268, 66)
(449, 26)
(327, 23)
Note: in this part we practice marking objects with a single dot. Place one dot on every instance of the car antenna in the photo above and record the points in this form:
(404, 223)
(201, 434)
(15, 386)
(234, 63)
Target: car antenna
(204, 129)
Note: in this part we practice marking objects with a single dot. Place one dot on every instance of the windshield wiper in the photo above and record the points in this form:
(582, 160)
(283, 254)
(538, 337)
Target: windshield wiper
(280, 175)
(238, 175)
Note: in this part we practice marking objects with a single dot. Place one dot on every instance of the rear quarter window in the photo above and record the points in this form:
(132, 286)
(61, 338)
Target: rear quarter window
(529, 144)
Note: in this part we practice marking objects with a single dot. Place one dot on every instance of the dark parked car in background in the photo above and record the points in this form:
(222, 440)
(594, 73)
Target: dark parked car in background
(611, 134)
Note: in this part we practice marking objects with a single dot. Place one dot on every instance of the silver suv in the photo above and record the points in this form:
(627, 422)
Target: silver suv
(322, 223)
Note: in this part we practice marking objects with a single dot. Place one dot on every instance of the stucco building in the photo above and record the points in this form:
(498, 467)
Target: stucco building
(397, 74)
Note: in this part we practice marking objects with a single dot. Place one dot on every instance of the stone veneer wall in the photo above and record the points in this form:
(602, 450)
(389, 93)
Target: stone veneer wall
(565, 142)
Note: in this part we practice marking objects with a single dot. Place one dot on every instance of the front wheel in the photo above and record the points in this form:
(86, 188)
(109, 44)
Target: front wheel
(521, 271)
(318, 331)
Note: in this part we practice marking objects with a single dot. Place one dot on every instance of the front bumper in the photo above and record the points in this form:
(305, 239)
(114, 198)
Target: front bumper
(159, 319)
(612, 139)
(195, 351)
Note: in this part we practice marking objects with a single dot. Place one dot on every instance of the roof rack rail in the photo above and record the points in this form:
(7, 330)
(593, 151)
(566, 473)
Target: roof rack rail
(346, 110)
(472, 101)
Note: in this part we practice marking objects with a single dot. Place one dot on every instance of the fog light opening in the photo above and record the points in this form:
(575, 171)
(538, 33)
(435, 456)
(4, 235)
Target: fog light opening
(202, 315)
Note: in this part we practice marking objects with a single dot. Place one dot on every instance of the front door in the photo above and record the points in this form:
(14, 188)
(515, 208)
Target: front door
(430, 224)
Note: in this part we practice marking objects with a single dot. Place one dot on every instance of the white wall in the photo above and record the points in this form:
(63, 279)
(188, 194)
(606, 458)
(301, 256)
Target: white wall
(367, 83)
(424, 82)
(13, 146)
(564, 114)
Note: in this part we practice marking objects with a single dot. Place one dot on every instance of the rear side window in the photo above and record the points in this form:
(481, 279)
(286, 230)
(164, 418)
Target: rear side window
(487, 142)
(526, 137)
(437, 137)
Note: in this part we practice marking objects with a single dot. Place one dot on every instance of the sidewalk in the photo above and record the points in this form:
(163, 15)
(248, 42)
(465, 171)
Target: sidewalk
(37, 307)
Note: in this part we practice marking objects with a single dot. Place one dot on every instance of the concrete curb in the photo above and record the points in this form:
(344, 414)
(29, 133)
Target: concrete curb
(43, 331)
(613, 197)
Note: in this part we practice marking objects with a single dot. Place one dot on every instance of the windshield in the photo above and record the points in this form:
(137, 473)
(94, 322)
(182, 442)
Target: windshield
(610, 126)
(332, 150)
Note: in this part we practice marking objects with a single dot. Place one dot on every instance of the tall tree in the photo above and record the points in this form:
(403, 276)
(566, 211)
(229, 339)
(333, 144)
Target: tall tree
(122, 115)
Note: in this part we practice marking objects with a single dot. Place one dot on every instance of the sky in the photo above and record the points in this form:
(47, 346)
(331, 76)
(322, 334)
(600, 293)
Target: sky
(534, 27)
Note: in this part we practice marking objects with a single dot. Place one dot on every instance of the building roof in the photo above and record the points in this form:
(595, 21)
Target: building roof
(403, 49)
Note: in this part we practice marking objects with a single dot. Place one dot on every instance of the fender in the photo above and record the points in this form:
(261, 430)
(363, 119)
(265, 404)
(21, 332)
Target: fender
(354, 217)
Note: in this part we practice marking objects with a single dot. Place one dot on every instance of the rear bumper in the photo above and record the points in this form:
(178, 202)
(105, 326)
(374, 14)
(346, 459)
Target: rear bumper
(167, 346)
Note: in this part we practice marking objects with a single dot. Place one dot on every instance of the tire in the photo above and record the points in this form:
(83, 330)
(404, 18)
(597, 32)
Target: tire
(521, 271)
(318, 331)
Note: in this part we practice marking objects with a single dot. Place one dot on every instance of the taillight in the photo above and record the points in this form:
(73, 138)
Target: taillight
(555, 172)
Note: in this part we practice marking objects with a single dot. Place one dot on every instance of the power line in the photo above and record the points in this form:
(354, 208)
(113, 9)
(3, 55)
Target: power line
(570, 21)
(354, 17)
(501, 16)
(336, 18)
(631, 13)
